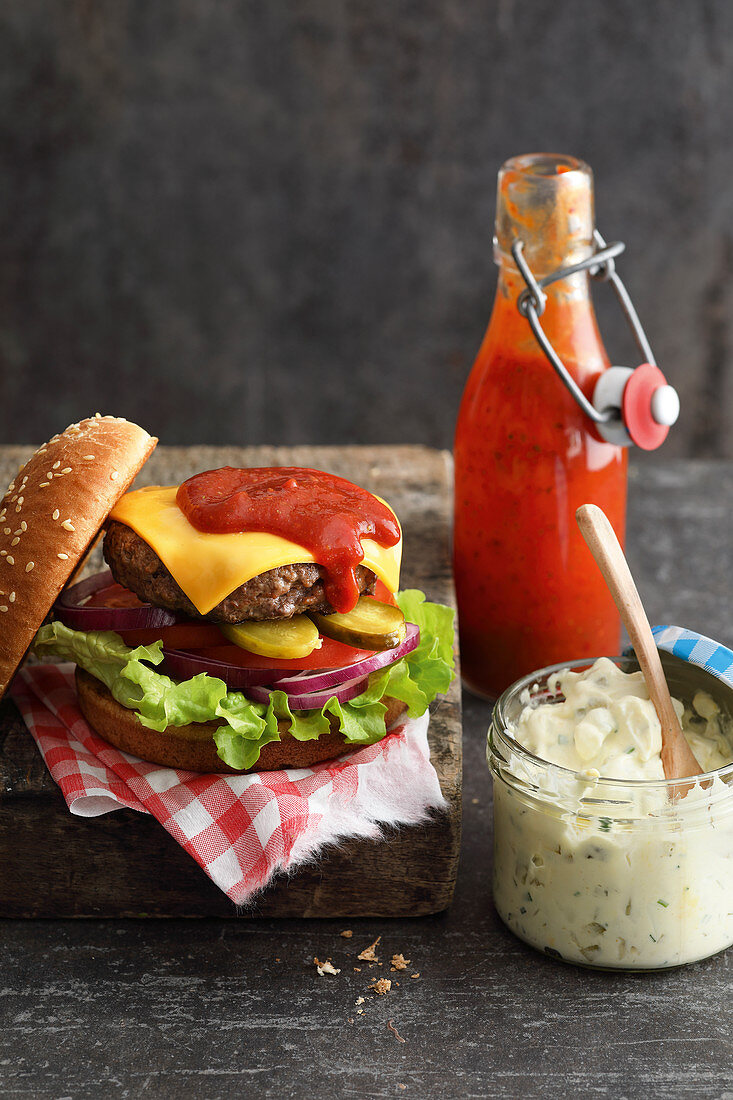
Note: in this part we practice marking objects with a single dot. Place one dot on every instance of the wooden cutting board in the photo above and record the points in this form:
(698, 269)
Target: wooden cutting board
(124, 864)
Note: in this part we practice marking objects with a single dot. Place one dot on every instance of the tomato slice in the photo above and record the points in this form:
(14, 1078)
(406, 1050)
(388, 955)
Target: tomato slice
(208, 641)
(381, 592)
(186, 635)
(331, 655)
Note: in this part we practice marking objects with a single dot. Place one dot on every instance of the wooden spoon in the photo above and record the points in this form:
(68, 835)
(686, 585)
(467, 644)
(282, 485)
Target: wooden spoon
(677, 758)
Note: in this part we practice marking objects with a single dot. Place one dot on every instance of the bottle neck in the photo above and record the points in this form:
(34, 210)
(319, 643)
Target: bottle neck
(568, 320)
(546, 201)
(574, 288)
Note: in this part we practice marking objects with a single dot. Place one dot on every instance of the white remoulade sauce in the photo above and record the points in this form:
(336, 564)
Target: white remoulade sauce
(598, 859)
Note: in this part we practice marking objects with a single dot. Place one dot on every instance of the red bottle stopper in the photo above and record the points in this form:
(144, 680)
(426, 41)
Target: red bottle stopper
(648, 407)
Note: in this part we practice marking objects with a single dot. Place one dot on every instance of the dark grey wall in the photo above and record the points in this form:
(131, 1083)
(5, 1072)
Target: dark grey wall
(271, 221)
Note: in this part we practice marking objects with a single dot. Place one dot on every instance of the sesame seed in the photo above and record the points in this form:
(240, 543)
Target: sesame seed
(20, 500)
(43, 484)
(24, 526)
(29, 566)
(3, 552)
(10, 559)
(13, 499)
(11, 597)
(68, 525)
(66, 470)
(3, 607)
(97, 416)
(17, 507)
(62, 556)
(19, 531)
(56, 513)
(6, 530)
(88, 458)
(56, 465)
(49, 474)
(114, 475)
(15, 541)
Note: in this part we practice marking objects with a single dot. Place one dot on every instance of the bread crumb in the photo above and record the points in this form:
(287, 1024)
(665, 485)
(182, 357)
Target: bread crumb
(417, 975)
(475, 801)
(402, 1086)
(326, 967)
(359, 1001)
(380, 986)
(357, 970)
(347, 933)
(399, 962)
(369, 954)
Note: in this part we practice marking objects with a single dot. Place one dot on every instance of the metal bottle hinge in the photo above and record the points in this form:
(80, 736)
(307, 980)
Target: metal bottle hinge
(531, 304)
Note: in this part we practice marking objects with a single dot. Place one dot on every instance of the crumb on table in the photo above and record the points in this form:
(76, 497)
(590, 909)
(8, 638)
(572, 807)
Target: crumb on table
(369, 954)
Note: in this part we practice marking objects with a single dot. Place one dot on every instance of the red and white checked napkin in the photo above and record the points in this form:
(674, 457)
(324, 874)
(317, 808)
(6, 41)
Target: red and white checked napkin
(241, 829)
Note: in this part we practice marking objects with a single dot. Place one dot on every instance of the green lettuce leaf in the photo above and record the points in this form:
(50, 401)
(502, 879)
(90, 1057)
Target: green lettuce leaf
(132, 678)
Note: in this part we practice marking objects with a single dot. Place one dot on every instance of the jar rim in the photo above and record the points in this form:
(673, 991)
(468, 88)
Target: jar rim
(499, 720)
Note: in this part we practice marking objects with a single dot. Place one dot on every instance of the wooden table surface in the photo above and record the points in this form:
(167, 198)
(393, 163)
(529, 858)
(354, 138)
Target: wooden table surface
(216, 1008)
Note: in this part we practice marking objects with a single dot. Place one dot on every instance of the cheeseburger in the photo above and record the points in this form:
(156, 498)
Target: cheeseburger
(249, 619)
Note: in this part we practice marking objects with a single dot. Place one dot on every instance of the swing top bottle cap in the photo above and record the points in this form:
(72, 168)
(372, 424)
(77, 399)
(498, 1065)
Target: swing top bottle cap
(545, 200)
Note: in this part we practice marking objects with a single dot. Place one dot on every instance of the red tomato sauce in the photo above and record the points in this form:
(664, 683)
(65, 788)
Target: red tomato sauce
(326, 514)
(529, 592)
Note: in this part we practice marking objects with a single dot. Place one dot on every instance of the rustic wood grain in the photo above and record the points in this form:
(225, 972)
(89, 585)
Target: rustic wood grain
(125, 864)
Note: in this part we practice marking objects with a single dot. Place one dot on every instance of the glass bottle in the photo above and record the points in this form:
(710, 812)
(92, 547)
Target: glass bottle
(526, 456)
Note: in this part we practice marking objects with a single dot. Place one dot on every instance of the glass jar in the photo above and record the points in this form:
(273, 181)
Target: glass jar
(616, 874)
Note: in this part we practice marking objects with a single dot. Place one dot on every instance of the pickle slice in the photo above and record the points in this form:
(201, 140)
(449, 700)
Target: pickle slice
(371, 625)
(284, 638)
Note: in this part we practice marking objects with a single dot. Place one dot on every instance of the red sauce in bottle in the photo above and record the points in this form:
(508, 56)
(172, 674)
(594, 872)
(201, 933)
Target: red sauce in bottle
(326, 514)
(529, 592)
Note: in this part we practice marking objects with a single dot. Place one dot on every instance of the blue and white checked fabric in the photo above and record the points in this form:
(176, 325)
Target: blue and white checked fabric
(697, 649)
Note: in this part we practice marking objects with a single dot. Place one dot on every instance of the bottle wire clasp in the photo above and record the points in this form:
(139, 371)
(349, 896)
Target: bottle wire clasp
(628, 406)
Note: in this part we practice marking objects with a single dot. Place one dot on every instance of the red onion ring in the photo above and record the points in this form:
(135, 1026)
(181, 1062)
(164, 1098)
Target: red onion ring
(182, 664)
(69, 609)
(314, 699)
(305, 688)
(324, 678)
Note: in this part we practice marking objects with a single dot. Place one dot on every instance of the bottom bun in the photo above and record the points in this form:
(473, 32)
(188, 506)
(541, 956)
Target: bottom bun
(191, 748)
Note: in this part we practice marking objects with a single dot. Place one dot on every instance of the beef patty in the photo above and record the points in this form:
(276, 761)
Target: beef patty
(277, 594)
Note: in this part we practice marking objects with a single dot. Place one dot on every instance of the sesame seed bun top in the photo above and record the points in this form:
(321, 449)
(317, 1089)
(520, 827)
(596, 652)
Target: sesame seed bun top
(51, 514)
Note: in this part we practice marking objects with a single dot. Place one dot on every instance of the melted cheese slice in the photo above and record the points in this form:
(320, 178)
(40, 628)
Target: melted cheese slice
(208, 567)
